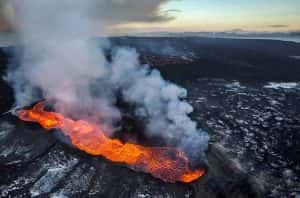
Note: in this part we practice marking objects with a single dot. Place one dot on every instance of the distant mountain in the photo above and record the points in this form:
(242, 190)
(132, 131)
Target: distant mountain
(233, 33)
(287, 36)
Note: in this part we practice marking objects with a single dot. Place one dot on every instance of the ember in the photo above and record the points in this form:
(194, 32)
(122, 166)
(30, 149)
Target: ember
(166, 163)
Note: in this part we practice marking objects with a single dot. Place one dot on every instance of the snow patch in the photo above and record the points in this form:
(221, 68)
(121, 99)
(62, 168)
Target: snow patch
(282, 85)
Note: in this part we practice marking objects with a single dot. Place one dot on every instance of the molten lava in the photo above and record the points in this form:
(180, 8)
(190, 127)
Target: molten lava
(167, 163)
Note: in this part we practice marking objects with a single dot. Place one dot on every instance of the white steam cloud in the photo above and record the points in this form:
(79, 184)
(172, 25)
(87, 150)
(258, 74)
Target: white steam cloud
(60, 60)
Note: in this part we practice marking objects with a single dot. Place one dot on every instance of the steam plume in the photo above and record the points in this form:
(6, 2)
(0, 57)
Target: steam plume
(61, 62)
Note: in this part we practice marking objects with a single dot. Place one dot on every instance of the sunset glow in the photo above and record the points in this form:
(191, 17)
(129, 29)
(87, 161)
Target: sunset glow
(222, 15)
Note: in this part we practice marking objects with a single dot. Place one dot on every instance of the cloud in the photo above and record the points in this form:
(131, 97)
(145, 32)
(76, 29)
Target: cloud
(111, 12)
(131, 10)
(278, 26)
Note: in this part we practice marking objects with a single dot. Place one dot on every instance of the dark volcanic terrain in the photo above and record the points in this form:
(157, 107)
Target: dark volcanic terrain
(257, 124)
(246, 95)
(232, 59)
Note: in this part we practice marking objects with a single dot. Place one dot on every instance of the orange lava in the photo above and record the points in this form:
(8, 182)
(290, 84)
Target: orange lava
(167, 163)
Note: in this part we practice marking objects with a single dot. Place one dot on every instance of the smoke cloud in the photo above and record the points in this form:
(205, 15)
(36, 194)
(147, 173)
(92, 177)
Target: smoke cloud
(6, 16)
(60, 62)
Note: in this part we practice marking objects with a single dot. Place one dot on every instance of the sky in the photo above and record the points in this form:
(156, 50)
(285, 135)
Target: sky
(189, 15)
(226, 15)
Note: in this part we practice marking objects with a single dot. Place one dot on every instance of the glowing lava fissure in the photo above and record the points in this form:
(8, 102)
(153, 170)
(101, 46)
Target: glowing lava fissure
(166, 163)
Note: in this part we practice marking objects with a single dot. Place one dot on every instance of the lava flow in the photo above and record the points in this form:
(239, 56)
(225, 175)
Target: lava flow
(166, 163)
